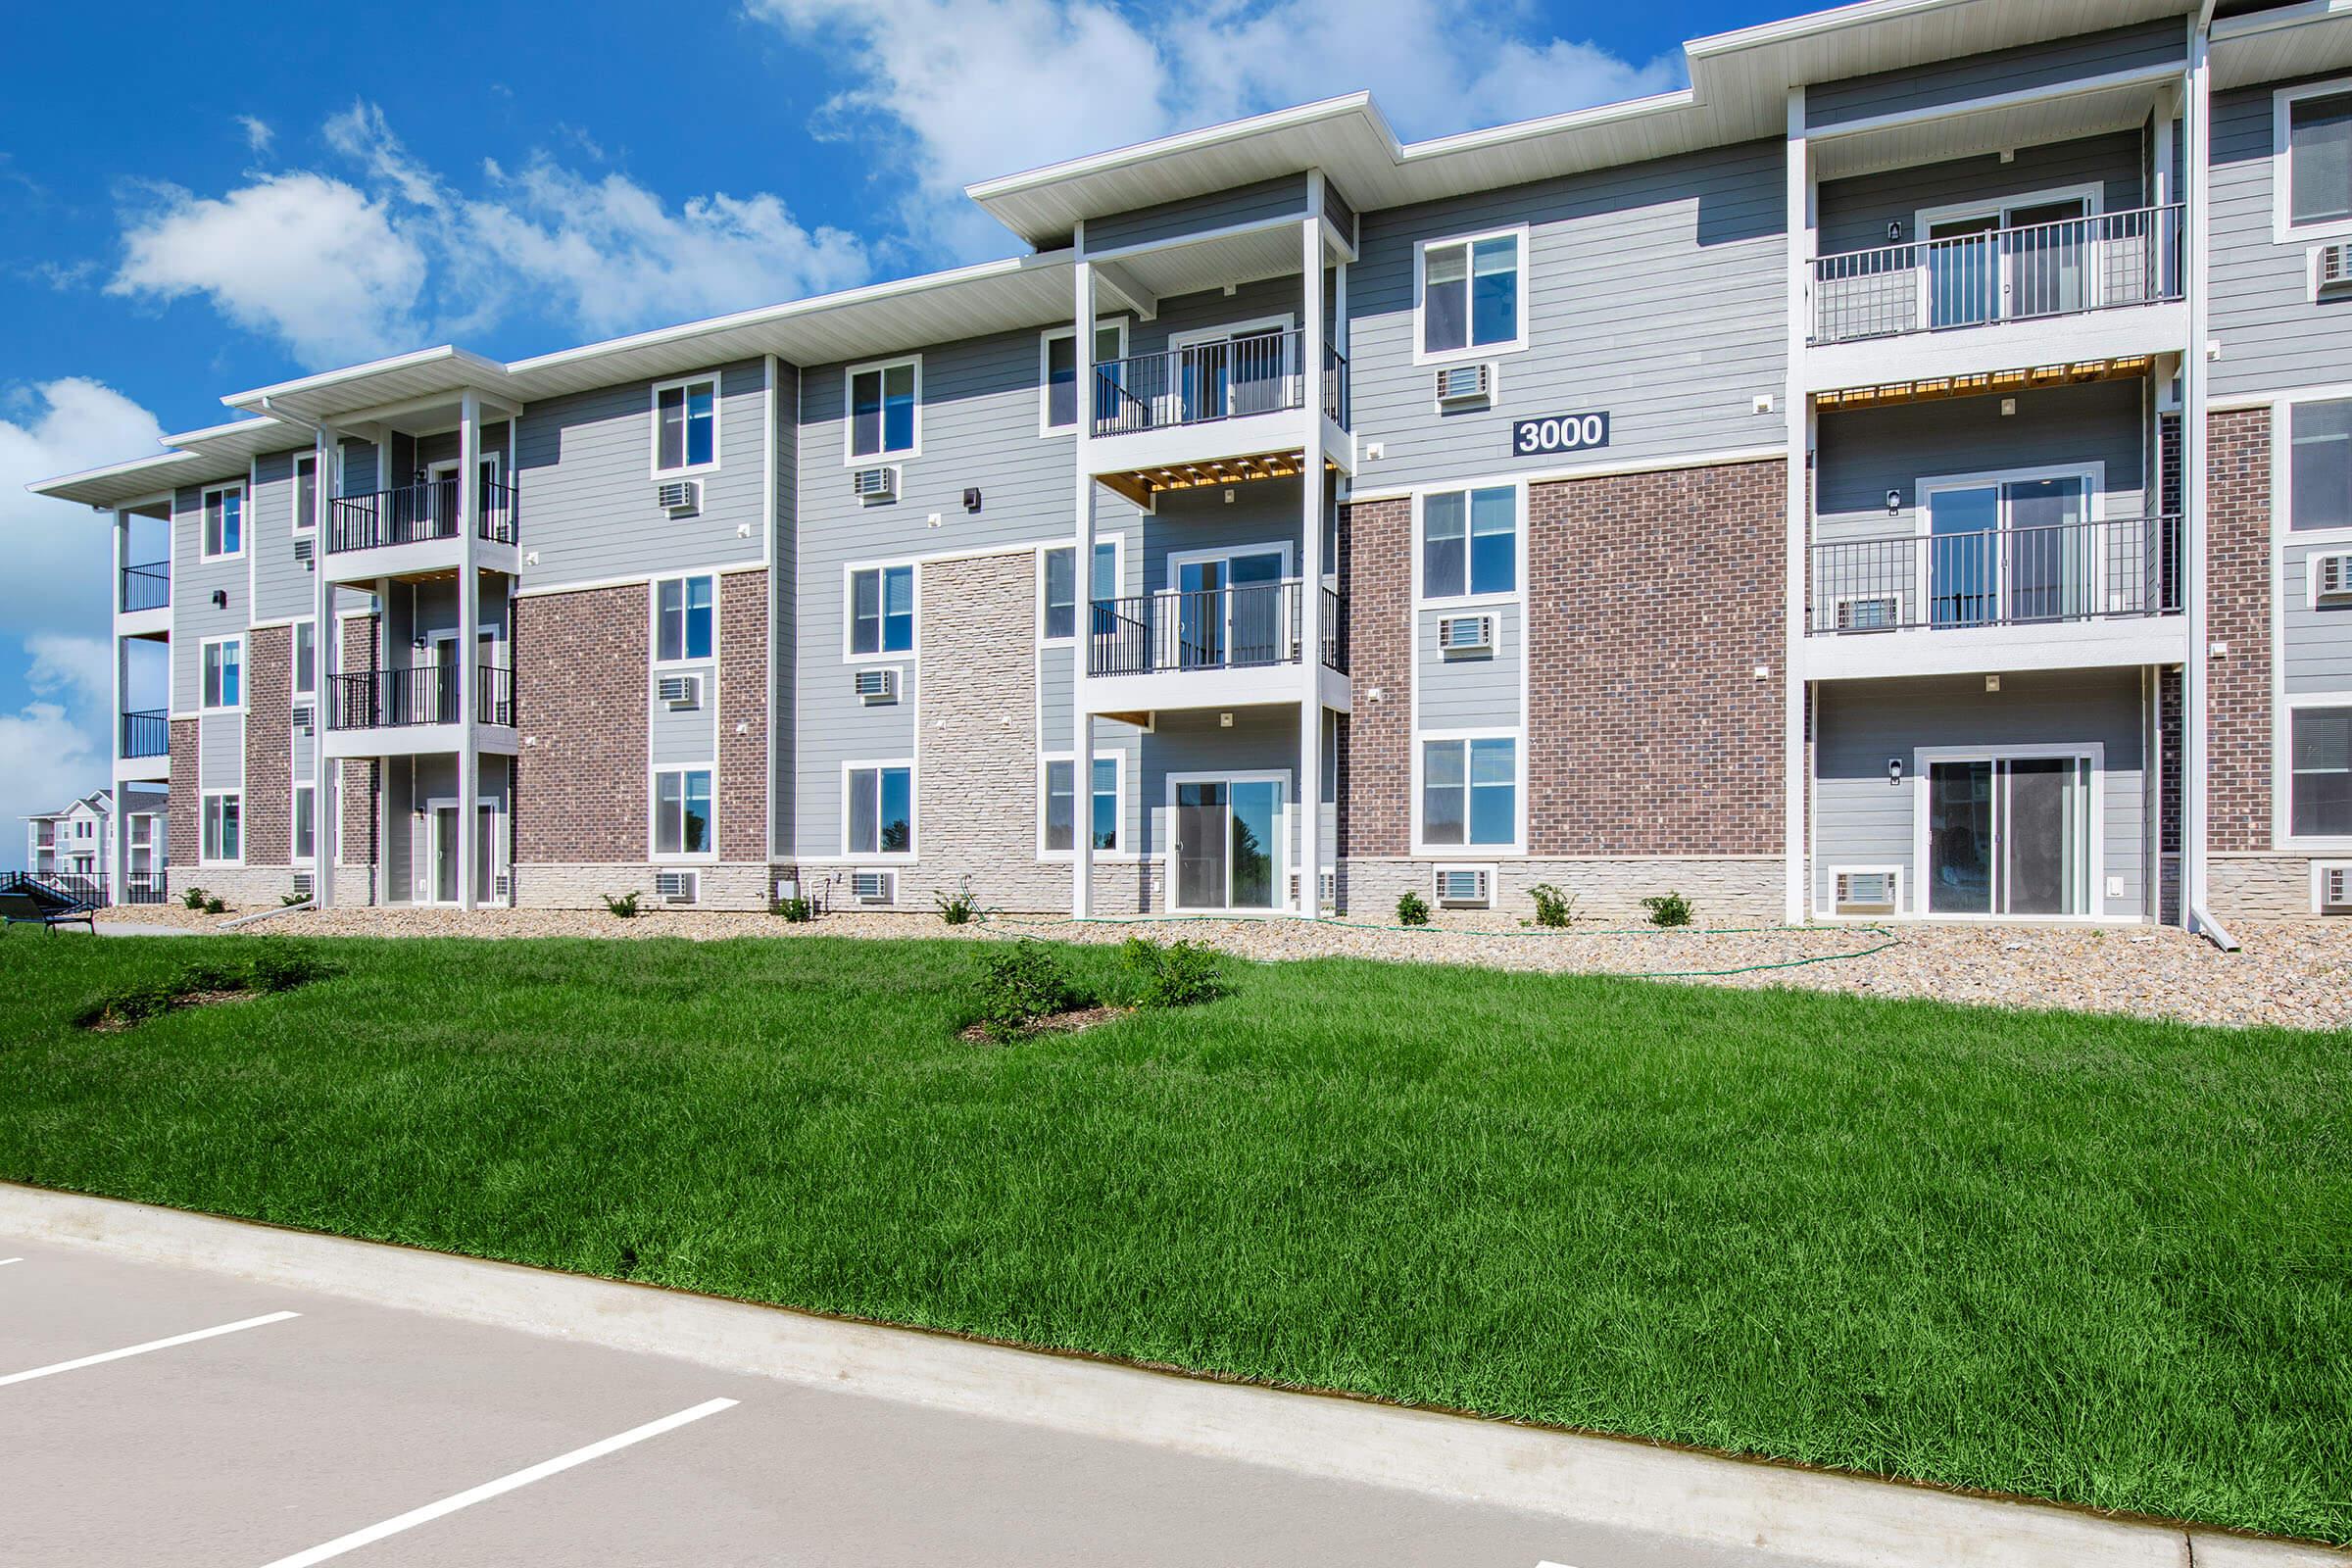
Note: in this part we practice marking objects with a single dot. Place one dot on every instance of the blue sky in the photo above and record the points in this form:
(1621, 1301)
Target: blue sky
(193, 203)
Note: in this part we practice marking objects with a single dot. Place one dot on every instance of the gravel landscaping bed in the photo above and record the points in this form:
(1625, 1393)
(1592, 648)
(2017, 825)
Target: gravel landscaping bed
(2296, 973)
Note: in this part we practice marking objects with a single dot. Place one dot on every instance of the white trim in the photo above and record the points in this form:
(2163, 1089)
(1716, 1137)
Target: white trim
(204, 551)
(1998, 208)
(652, 610)
(1226, 331)
(1285, 831)
(304, 520)
(1084, 586)
(684, 385)
(1422, 848)
(294, 817)
(851, 458)
(1121, 849)
(915, 835)
(204, 823)
(2094, 826)
(849, 612)
(1045, 374)
(2093, 473)
(1520, 232)
(653, 810)
(2282, 781)
(1517, 593)
(2284, 231)
(244, 683)
(294, 691)
(2283, 407)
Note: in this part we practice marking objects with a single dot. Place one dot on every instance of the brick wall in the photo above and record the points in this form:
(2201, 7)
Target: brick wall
(1376, 757)
(580, 697)
(183, 812)
(2237, 552)
(1652, 599)
(742, 781)
(269, 742)
(359, 788)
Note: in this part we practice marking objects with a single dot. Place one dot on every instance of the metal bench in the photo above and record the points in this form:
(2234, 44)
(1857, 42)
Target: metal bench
(23, 900)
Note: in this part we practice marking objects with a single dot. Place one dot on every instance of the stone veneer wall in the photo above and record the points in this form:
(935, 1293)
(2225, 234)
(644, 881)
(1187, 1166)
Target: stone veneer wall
(1720, 887)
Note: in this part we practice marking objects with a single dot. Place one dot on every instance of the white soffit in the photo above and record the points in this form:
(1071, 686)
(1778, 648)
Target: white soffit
(2297, 40)
(1918, 142)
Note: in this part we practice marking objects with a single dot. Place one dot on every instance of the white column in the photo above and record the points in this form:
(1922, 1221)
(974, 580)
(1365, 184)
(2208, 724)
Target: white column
(1082, 722)
(2197, 123)
(118, 854)
(469, 606)
(325, 649)
(1309, 805)
(1797, 423)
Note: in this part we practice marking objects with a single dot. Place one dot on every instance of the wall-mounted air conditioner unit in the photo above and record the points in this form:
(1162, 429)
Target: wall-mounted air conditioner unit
(1866, 890)
(1463, 887)
(876, 686)
(305, 718)
(1462, 384)
(2330, 578)
(2332, 887)
(683, 693)
(304, 547)
(678, 887)
(874, 887)
(679, 496)
(1869, 613)
(2332, 267)
(1466, 634)
(871, 486)
(306, 885)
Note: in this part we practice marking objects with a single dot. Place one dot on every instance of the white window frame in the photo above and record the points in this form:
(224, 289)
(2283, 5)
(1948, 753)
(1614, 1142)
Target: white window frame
(2091, 195)
(1121, 849)
(1045, 375)
(683, 386)
(653, 630)
(2282, 467)
(303, 519)
(2284, 231)
(294, 631)
(1470, 601)
(848, 612)
(1117, 544)
(2093, 475)
(204, 828)
(849, 457)
(244, 675)
(1522, 232)
(294, 819)
(1286, 830)
(652, 815)
(2282, 775)
(915, 827)
(2095, 808)
(204, 542)
(1517, 847)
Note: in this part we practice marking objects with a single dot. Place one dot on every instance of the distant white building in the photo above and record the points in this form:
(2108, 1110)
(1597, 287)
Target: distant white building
(78, 843)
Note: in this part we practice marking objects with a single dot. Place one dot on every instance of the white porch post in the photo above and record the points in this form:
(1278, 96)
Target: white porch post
(1082, 721)
(116, 889)
(2197, 123)
(1309, 805)
(325, 650)
(1797, 421)
(470, 596)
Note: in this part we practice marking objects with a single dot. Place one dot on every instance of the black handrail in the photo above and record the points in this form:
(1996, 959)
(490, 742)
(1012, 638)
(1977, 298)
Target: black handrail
(1225, 378)
(147, 587)
(494, 695)
(2112, 567)
(147, 733)
(1252, 625)
(408, 515)
(394, 698)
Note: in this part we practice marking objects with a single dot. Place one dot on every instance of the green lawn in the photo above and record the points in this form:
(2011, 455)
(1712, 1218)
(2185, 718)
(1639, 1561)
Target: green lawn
(2086, 1258)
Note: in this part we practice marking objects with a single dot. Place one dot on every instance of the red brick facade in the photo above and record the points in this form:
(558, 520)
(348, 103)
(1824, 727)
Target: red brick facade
(183, 813)
(1375, 762)
(268, 737)
(743, 706)
(580, 664)
(2237, 599)
(1652, 600)
(360, 786)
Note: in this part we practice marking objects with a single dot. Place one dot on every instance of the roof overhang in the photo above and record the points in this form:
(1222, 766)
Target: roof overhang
(2282, 45)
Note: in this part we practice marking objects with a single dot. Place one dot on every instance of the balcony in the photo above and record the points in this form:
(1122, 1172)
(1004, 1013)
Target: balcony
(147, 587)
(146, 734)
(412, 520)
(2066, 595)
(414, 711)
(1215, 648)
(2078, 289)
(1216, 413)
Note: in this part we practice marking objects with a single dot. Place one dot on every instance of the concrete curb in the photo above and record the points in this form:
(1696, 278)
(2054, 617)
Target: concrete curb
(1603, 1482)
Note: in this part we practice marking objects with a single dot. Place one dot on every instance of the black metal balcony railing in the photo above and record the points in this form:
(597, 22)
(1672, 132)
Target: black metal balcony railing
(142, 887)
(2114, 567)
(415, 512)
(1250, 626)
(1230, 378)
(147, 587)
(147, 734)
(2027, 273)
(394, 698)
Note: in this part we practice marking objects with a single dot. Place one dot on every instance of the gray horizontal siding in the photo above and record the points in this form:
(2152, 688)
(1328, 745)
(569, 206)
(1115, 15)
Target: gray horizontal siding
(2316, 650)
(1855, 212)
(687, 735)
(1656, 293)
(220, 751)
(194, 617)
(1261, 739)
(2039, 65)
(1459, 692)
(2273, 333)
(586, 493)
(1283, 196)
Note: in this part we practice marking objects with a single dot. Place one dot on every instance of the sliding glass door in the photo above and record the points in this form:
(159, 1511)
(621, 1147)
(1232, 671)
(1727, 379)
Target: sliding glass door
(2011, 550)
(1231, 843)
(2009, 835)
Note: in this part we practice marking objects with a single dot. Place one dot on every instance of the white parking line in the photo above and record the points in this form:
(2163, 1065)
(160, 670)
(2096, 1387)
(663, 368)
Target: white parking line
(5, 1261)
(491, 1488)
(141, 1349)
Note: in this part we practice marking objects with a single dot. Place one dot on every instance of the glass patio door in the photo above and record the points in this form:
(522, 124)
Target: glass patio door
(1229, 610)
(2018, 262)
(1238, 372)
(445, 853)
(2008, 551)
(2009, 836)
(1229, 843)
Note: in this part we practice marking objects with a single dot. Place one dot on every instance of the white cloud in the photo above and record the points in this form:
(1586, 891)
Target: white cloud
(259, 137)
(65, 666)
(1089, 74)
(52, 761)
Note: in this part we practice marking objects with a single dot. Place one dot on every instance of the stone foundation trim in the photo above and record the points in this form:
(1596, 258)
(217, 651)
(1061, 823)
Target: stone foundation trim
(1743, 888)
(724, 885)
(2250, 886)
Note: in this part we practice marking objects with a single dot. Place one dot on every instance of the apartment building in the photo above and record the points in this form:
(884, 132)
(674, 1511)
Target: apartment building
(74, 847)
(1906, 473)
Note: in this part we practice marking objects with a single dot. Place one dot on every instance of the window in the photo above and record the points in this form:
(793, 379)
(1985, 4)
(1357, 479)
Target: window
(1061, 593)
(682, 810)
(883, 422)
(881, 814)
(2321, 783)
(2319, 157)
(1470, 791)
(682, 619)
(306, 489)
(2320, 465)
(1058, 376)
(882, 609)
(306, 658)
(223, 522)
(1060, 805)
(686, 425)
(1472, 295)
(225, 673)
(1470, 542)
(223, 828)
(305, 841)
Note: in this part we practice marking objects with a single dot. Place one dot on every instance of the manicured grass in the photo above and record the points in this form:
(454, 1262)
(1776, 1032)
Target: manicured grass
(2086, 1258)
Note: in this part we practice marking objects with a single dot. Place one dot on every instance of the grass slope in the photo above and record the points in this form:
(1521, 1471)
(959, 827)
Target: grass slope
(2088, 1259)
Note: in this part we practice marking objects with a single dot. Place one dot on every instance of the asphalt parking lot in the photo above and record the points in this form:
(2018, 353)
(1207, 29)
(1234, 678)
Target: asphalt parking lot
(153, 1415)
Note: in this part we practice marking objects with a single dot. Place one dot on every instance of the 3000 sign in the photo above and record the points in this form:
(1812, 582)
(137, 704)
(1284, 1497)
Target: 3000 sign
(1560, 432)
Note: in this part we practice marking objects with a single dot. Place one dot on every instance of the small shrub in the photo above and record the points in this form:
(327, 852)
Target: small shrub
(1182, 975)
(797, 909)
(134, 1002)
(207, 975)
(283, 967)
(960, 910)
(214, 907)
(194, 897)
(1412, 909)
(1552, 906)
(1668, 908)
(623, 908)
(1017, 983)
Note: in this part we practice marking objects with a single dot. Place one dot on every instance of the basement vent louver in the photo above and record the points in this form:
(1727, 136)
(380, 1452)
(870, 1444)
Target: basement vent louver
(2335, 890)
(306, 885)
(874, 887)
(1463, 887)
(1868, 891)
(678, 887)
